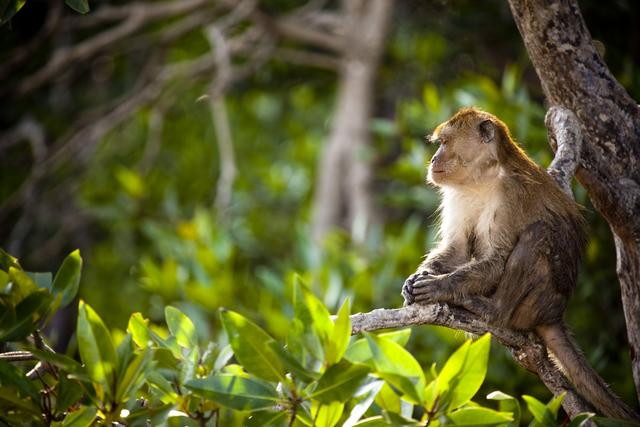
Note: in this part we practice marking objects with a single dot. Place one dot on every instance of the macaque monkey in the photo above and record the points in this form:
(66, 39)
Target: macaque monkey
(510, 244)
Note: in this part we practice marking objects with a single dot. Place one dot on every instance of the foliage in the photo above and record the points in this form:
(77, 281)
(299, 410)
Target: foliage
(166, 374)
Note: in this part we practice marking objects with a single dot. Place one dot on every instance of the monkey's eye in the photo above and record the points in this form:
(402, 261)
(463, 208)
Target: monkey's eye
(435, 140)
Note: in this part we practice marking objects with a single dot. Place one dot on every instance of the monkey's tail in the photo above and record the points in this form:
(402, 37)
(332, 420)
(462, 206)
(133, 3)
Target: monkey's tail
(585, 379)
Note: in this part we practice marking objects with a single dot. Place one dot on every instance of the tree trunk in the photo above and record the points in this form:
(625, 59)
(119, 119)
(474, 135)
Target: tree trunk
(574, 76)
(343, 195)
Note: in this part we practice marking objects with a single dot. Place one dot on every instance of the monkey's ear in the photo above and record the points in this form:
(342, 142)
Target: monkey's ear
(487, 131)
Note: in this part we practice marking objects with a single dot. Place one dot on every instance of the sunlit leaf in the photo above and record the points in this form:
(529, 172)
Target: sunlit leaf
(131, 379)
(339, 339)
(326, 415)
(539, 411)
(479, 417)
(472, 373)
(251, 346)
(67, 278)
(366, 396)
(83, 417)
(398, 366)
(139, 330)
(268, 418)
(359, 352)
(582, 420)
(96, 349)
(181, 327)
(339, 382)
(507, 403)
(235, 392)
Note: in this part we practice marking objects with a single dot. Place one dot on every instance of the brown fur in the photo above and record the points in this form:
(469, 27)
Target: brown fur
(510, 246)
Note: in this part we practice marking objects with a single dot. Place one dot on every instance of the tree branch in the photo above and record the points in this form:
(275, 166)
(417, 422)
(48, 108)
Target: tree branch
(526, 348)
(565, 138)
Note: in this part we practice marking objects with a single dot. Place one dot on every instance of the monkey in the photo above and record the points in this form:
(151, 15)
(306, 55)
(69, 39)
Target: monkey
(510, 244)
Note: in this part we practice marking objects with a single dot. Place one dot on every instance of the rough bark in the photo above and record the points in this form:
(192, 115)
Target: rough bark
(343, 185)
(574, 76)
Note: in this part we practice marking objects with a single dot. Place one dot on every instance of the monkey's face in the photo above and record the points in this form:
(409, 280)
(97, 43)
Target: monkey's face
(466, 153)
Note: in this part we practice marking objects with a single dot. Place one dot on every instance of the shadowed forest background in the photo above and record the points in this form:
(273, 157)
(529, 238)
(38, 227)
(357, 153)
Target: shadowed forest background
(186, 188)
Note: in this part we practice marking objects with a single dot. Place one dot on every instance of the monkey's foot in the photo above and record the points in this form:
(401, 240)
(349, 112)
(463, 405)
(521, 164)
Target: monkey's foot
(409, 286)
(423, 288)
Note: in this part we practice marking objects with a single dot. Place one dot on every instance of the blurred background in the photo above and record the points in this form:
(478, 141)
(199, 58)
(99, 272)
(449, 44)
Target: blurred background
(199, 152)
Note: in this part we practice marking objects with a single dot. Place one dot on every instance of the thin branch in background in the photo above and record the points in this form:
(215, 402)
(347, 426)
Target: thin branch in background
(138, 16)
(155, 127)
(309, 59)
(224, 187)
(26, 51)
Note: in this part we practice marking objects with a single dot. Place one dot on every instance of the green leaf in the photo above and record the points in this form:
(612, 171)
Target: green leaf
(69, 392)
(365, 397)
(42, 280)
(7, 261)
(472, 374)
(339, 339)
(339, 382)
(235, 392)
(131, 379)
(162, 385)
(67, 278)
(139, 330)
(58, 359)
(22, 285)
(311, 321)
(326, 415)
(80, 6)
(9, 397)
(539, 411)
(581, 420)
(267, 418)
(83, 417)
(181, 327)
(292, 365)
(189, 365)
(554, 404)
(11, 8)
(96, 350)
(28, 315)
(507, 403)
(388, 399)
(10, 375)
(398, 367)
(377, 421)
(251, 346)
(479, 417)
(359, 352)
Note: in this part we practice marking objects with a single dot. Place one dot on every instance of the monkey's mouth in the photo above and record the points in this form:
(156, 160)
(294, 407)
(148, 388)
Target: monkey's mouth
(438, 171)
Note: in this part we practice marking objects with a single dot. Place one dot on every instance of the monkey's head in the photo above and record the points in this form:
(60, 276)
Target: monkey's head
(469, 149)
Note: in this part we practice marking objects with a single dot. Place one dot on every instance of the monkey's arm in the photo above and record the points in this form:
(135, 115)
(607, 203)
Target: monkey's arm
(473, 278)
(444, 259)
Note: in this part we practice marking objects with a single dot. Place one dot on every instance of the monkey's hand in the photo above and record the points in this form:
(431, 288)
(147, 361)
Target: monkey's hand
(424, 288)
